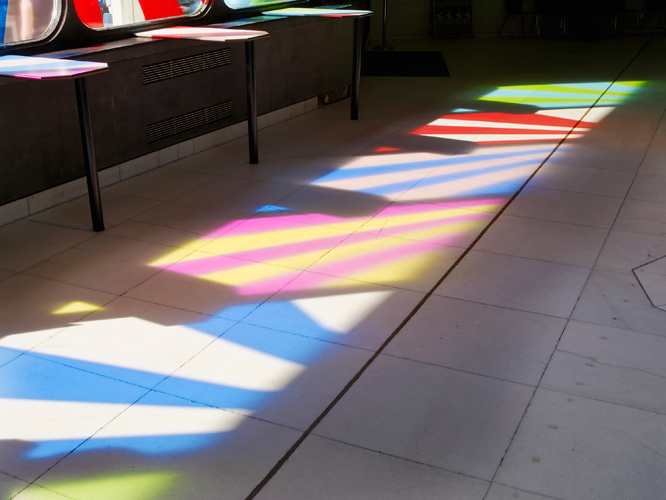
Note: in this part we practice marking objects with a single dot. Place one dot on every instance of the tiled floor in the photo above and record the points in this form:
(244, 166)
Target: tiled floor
(394, 308)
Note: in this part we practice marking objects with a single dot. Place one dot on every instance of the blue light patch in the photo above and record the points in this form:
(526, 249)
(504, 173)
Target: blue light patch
(271, 208)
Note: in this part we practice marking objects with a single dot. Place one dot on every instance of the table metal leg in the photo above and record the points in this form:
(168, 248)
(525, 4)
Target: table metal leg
(356, 70)
(89, 155)
(251, 82)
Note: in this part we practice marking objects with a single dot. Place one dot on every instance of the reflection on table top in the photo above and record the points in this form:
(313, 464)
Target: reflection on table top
(45, 68)
(210, 34)
(297, 11)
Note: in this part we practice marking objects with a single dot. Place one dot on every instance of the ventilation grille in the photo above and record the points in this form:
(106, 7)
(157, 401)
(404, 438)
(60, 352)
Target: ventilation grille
(188, 121)
(174, 68)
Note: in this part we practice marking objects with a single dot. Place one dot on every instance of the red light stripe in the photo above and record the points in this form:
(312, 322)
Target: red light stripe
(446, 130)
(159, 9)
(531, 119)
(89, 12)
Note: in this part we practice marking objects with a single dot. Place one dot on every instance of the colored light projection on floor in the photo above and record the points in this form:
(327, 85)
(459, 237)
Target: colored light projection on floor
(263, 255)
(294, 294)
(563, 111)
(566, 95)
(438, 178)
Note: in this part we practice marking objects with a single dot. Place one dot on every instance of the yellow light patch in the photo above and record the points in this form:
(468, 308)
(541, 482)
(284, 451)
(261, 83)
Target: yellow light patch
(243, 275)
(227, 245)
(141, 486)
(405, 270)
(77, 307)
(171, 258)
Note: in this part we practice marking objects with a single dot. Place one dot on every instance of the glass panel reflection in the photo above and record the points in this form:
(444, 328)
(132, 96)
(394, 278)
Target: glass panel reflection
(27, 20)
(115, 13)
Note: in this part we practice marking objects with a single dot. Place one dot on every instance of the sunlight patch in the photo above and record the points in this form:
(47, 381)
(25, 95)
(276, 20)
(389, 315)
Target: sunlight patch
(139, 486)
(77, 307)
(341, 313)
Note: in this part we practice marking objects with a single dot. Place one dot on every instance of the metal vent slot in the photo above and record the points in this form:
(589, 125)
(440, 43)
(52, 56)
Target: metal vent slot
(188, 121)
(173, 68)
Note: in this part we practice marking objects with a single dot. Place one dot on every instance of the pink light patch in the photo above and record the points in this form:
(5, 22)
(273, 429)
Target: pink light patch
(205, 265)
(386, 150)
(267, 224)
(397, 233)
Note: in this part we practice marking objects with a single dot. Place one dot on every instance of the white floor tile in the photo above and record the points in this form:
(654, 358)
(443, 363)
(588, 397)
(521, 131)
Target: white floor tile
(235, 194)
(269, 139)
(654, 285)
(214, 161)
(565, 206)
(48, 409)
(33, 491)
(277, 240)
(622, 140)
(161, 235)
(309, 146)
(275, 376)
(648, 187)
(617, 300)
(191, 220)
(388, 261)
(133, 341)
(570, 447)
(285, 169)
(25, 243)
(449, 226)
(516, 283)
(432, 415)
(33, 309)
(364, 130)
(653, 164)
(160, 184)
(228, 454)
(500, 492)
(487, 340)
(583, 180)
(611, 365)
(10, 486)
(544, 240)
(624, 251)
(644, 217)
(76, 213)
(325, 468)
(336, 310)
(332, 202)
(105, 263)
(231, 290)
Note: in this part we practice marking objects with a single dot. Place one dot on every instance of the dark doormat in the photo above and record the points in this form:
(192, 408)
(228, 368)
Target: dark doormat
(403, 63)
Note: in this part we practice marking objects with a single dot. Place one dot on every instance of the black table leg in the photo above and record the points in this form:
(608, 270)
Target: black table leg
(251, 83)
(89, 155)
(356, 70)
